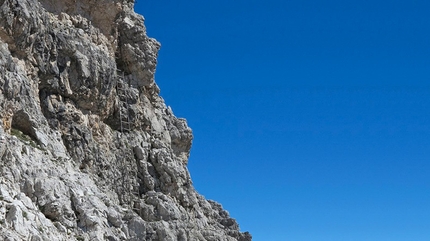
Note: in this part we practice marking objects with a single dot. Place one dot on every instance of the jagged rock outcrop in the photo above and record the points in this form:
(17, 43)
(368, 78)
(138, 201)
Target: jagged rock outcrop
(89, 150)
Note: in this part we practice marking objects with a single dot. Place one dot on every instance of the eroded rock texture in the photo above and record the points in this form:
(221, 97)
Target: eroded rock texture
(89, 150)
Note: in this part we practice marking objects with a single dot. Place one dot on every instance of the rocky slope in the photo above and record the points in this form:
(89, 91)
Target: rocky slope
(89, 150)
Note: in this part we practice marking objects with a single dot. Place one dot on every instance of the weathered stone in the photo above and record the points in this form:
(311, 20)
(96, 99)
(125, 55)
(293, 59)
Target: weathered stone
(88, 148)
(139, 152)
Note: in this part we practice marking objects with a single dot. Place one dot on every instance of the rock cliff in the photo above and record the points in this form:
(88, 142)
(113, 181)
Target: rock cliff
(89, 150)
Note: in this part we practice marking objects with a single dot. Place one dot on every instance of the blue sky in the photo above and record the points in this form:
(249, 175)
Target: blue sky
(311, 118)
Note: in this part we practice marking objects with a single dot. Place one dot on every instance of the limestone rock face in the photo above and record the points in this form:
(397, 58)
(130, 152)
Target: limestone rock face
(89, 150)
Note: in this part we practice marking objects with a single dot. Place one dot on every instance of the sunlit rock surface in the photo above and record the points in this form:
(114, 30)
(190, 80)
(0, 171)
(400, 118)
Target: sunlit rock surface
(89, 150)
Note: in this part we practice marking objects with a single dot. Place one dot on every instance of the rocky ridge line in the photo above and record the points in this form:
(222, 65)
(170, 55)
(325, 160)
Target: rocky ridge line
(70, 71)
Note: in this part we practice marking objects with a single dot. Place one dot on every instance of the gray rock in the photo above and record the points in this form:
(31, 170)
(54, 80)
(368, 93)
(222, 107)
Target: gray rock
(88, 148)
(140, 153)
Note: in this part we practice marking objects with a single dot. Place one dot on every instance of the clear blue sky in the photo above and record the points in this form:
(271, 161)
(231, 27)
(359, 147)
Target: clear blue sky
(311, 118)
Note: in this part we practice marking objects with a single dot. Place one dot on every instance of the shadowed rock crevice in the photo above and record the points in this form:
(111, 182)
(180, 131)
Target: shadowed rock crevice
(21, 121)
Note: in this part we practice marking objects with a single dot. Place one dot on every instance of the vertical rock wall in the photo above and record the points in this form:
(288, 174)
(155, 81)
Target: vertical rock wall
(89, 150)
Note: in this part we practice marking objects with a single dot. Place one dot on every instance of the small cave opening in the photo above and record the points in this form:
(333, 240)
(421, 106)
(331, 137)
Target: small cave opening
(22, 126)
